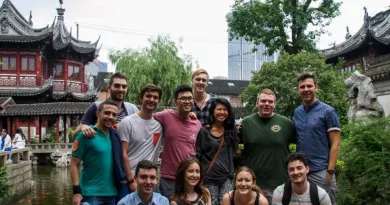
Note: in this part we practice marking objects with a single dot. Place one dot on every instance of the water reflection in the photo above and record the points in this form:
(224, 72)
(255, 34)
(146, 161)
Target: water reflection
(52, 186)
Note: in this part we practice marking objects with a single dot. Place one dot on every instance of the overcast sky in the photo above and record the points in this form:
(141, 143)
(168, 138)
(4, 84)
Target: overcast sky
(201, 23)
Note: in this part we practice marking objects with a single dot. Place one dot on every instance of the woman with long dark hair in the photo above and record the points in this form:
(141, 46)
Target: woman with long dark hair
(188, 185)
(215, 147)
(19, 141)
(247, 192)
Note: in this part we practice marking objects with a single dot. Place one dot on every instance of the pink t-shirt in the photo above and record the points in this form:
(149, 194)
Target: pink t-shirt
(179, 140)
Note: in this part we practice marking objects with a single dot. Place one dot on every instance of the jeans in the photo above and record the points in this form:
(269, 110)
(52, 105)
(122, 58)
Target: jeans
(123, 190)
(167, 187)
(99, 200)
(217, 191)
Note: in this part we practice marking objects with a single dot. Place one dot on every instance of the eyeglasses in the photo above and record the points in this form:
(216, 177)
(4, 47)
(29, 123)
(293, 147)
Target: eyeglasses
(184, 99)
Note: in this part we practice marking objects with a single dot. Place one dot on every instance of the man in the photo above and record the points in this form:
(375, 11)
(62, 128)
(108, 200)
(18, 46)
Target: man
(118, 89)
(266, 137)
(297, 192)
(96, 184)
(318, 133)
(202, 100)
(180, 133)
(146, 178)
(140, 133)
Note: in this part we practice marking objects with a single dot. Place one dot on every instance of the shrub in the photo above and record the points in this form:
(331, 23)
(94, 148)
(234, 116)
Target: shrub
(5, 187)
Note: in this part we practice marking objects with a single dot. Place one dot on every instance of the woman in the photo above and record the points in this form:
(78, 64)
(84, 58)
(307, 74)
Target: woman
(19, 141)
(215, 147)
(188, 188)
(247, 192)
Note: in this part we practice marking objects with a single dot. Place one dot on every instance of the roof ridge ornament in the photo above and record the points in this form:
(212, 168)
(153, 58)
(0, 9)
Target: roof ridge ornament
(30, 19)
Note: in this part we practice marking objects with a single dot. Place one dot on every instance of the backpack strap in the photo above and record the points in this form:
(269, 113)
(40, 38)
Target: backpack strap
(287, 193)
(314, 194)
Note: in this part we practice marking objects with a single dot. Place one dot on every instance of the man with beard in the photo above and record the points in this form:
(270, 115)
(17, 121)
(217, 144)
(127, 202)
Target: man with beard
(96, 184)
(140, 133)
(202, 100)
(318, 133)
(118, 89)
(299, 191)
(179, 140)
(146, 178)
(266, 137)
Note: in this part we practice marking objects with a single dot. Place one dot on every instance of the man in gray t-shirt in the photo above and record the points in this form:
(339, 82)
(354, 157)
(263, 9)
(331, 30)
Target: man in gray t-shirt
(141, 134)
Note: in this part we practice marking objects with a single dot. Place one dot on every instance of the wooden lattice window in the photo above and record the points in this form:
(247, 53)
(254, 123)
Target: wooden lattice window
(8, 63)
(28, 63)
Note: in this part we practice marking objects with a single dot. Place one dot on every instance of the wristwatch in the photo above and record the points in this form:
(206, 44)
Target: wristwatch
(331, 171)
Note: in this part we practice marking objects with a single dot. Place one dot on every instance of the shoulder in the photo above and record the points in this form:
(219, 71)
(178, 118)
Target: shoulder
(249, 117)
(321, 191)
(160, 199)
(226, 198)
(127, 199)
(283, 118)
(262, 200)
(299, 108)
(79, 136)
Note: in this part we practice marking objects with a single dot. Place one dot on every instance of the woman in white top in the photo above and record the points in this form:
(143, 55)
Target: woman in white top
(19, 141)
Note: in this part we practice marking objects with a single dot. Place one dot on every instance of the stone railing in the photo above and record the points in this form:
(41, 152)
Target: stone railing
(49, 147)
(13, 80)
(15, 155)
(75, 86)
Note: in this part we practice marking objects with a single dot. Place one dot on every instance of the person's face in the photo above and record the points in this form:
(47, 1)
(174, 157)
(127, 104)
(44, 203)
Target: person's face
(3, 133)
(107, 117)
(244, 182)
(146, 180)
(118, 89)
(297, 172)
(150, 100)
(220, 113)
(266, 104)
(307, 90)
(184, 102)
(192, 175)
(200, 82)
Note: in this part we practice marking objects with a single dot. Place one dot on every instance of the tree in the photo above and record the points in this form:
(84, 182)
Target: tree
(282, 24)
(281, 78)
(159, 64)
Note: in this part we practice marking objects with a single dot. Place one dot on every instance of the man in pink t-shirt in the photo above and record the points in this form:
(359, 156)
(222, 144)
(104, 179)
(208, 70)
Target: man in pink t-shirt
(179, 140)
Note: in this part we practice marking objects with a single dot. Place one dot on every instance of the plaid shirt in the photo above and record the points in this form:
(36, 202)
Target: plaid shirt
(203, 114)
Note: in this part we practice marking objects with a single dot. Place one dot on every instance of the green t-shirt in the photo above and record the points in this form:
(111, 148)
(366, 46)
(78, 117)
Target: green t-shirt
(266, 146)
(97, 175)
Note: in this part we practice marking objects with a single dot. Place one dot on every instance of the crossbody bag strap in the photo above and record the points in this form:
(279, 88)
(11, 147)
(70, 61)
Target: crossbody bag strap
(216, 154)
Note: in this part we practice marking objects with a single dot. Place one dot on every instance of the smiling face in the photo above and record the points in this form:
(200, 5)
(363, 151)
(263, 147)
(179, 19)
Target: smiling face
(150, 100)
(192, 175)
(220, 113)
(200, 82)
(244, 182)
(266, 104)
(184, 102)
(307, 89)
(107, 116)
(118, 89)
(297, 172)
(146, 181)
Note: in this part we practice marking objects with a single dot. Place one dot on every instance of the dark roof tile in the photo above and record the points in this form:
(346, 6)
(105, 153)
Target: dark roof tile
(59, 108)
(226, 87)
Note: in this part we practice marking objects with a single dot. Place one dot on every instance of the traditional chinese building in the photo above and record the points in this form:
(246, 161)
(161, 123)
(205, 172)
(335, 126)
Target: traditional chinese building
(370, 49)
(43, 86)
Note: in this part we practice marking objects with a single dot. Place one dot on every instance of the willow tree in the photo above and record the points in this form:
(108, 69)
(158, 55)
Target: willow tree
(160, 64)
(282, 24)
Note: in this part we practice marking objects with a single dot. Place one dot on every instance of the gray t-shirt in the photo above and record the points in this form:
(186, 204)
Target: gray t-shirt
(144, 138)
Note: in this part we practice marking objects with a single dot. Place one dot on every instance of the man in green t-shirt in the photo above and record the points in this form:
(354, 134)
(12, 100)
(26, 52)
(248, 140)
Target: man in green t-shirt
(96, 184)
(266, 137)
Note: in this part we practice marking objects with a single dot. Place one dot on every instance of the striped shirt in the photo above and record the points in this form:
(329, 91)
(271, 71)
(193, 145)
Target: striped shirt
(303, 199)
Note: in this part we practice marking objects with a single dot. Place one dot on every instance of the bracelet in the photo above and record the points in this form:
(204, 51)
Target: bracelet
(76, 189)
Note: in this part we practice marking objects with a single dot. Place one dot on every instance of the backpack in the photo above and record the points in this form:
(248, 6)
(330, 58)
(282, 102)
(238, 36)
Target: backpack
(288, 190)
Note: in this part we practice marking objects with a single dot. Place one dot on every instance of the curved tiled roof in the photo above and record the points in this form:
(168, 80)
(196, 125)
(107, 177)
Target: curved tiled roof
(58, 108)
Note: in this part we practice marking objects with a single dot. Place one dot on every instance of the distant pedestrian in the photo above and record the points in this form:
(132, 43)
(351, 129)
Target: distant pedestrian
(188, 185)
(19, 141)
(6, 143)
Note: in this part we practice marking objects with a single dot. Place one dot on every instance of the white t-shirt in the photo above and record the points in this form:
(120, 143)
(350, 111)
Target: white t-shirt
(19, 142)
(144, 138)
(7, 142)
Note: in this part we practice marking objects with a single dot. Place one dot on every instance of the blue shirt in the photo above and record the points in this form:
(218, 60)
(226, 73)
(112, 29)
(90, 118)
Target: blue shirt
(312, 126)
(133, 199)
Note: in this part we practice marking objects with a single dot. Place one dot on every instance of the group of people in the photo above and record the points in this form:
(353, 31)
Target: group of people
(7, 144)
(120, 147)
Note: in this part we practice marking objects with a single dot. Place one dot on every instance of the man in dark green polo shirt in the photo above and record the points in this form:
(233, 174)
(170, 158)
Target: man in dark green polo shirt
(96, 184)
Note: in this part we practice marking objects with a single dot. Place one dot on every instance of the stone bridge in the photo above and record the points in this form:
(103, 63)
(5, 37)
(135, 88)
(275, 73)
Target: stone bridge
(48, 148)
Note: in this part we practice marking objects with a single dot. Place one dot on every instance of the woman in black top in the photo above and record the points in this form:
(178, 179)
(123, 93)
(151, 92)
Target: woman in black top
(188, 185)
(215, 147)
(247, 192)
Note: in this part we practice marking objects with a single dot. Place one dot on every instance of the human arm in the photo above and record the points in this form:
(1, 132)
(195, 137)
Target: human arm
(89, 118)
(333, 128)
(124, 132)
(209, 200)
(226, 199)
(263, 200)
(74, 175)
(173, 203)
(324, 198)
(199, 144)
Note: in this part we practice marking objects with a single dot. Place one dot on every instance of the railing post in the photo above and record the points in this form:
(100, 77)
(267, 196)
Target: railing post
(25, 155)
(15, 158)
(3, 160)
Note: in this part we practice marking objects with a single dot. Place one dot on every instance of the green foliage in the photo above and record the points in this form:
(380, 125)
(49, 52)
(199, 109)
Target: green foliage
(281, 78)
(159, 64)
(282, 24)
(365, 151)
(5, 187)
(292, 147)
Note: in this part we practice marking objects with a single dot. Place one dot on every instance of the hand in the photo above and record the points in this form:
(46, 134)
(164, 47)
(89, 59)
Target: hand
(193, 116)
(87, 131)
(133, 187)
(77, 199)
(330, 177)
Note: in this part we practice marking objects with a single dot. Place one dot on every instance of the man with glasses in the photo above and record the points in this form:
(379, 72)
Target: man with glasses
(180, 133)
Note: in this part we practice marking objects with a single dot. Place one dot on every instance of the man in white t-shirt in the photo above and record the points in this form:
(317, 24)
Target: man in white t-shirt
(299, 191)
(141, 134)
